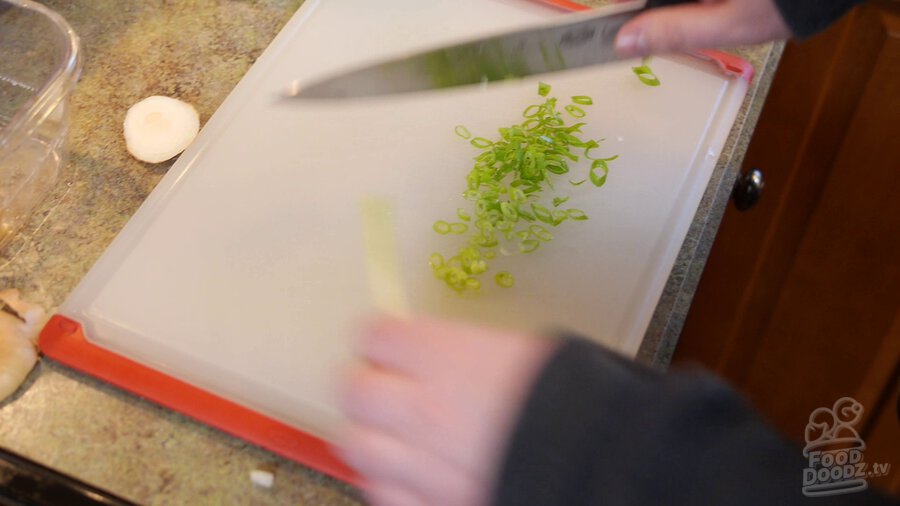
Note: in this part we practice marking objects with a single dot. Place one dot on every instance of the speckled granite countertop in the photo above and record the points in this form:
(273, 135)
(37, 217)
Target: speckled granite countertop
(198, 50)
(672, 309)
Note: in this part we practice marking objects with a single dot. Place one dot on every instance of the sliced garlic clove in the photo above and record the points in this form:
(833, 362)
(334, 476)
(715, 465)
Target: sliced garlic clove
(158, 128)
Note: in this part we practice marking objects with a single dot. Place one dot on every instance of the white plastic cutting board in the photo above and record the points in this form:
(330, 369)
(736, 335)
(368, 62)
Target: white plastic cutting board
(244, 272)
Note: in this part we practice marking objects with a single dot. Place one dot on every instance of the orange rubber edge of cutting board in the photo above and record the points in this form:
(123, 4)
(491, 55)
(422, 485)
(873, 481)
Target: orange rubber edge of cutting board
(567, 4)
(63, 340)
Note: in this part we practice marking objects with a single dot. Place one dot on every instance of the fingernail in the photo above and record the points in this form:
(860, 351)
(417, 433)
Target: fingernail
(630, 44)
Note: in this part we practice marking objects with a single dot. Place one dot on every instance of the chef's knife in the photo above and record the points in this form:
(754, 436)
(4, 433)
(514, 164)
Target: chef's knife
(571, 41)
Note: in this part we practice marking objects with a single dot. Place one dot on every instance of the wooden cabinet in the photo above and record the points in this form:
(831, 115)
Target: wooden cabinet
(799, 304)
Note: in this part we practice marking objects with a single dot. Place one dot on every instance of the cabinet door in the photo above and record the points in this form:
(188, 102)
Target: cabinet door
(800, 300)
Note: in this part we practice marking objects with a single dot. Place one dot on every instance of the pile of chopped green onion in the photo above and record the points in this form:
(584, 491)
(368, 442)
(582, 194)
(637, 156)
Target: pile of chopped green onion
(510, 209)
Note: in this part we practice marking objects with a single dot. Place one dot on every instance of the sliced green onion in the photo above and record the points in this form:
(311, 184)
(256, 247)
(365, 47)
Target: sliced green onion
(645, 73)
(505, 279)
(540, 232)
(541, 213)
(558, 201)
(463, 215)
(532, 111)
(529, 245)
(441, 227)
(462, 132)
(583, 100)
(525, 215)
(458, 228)
(478, 267)
(481, 142)
(575, 111)
(516, 196)
(543, 89)
(576, 214)
(436, 260)
(509, 211)
(557, 168)
(598, 172)
(558, 217)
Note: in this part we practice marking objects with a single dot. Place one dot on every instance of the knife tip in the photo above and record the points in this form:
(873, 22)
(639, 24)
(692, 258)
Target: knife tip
(293, 88)
(321, 90)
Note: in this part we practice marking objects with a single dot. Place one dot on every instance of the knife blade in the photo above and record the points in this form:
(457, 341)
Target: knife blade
(572, 41)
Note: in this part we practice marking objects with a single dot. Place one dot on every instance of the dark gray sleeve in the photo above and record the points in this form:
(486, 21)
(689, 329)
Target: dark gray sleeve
(806, 17)
(803, 17)
(598, 429)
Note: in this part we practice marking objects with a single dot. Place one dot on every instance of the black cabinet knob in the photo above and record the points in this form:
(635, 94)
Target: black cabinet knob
(748, 189)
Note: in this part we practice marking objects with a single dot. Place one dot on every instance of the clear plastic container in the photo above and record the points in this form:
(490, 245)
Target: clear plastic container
(40, 62)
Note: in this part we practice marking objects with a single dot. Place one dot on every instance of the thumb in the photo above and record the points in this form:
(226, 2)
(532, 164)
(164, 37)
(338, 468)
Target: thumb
(670, 29)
